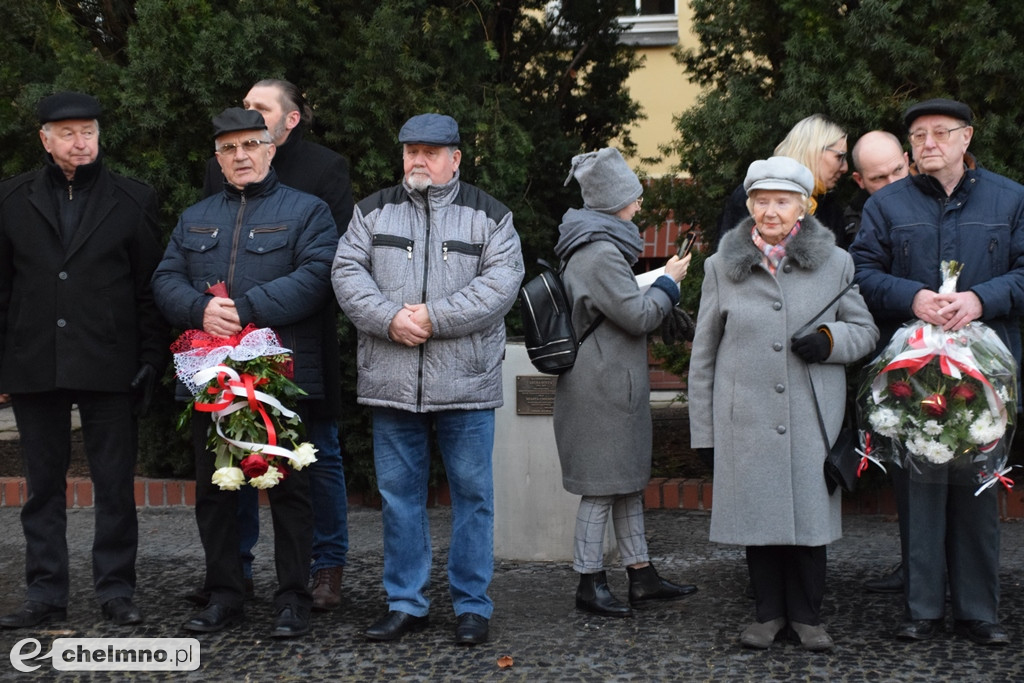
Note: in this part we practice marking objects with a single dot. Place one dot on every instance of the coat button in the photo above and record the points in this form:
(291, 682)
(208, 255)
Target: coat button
(777, 306)
(62, 275)
(61, 322)
(779, 388)
(787, 268)
(781, 429)
(777, 346)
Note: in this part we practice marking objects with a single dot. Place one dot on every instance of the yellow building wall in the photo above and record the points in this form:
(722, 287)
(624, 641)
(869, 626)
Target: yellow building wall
(661, 88)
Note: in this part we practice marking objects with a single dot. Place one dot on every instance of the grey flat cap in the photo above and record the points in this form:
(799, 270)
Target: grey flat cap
(944, 107)
(235, 119)
(430, 129)
(779, 173)
(63, 106)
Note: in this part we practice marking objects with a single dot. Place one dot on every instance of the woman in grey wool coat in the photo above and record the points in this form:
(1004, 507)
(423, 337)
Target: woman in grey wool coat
(751, 401)
(602, 406)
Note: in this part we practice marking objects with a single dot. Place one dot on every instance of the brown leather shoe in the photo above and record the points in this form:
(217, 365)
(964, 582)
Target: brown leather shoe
(327, 589)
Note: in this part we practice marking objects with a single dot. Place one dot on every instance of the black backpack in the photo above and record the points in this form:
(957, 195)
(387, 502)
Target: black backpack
(547, 322)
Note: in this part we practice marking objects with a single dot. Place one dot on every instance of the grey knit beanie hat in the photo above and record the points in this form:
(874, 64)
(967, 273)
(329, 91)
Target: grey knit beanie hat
(608, 183)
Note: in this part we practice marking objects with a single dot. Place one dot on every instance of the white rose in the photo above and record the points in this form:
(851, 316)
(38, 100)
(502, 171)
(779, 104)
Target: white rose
(305, 454)
(228, 478)
(268, 480)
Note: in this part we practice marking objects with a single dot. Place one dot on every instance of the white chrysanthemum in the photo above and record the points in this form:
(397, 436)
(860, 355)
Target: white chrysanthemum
(1003, 394)
(305, 454)
(228, 478)
(933, 451)
(985, 429)
(268, 480)
(932, 428)
(885, 421)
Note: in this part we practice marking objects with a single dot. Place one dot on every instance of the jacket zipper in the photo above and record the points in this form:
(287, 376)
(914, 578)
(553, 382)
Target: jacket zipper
(383, 240)
(234, 244)
(461, 248)
(423, 300)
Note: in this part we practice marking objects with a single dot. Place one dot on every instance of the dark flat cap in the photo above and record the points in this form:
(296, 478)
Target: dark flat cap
(941, 106)
(430, 129)
(63, 106)
(234, 119)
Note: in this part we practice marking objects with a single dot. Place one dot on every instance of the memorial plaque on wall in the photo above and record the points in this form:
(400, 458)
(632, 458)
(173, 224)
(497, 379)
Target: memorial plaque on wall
(535, 394)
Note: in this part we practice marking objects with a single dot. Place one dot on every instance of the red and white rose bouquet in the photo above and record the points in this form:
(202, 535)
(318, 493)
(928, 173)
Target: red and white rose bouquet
(244, 383)
(944, 399)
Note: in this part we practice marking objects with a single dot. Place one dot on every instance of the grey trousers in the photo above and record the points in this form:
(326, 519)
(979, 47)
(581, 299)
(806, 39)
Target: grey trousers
(627, 513)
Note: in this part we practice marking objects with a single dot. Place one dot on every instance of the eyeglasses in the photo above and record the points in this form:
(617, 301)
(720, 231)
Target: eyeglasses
(249, 146)
(840, 156)
(939, 135)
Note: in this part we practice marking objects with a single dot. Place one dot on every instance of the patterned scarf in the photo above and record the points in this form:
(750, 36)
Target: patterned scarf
(773, 253)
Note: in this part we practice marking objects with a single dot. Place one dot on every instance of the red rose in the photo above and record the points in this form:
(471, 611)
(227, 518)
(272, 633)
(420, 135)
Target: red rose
(964, 392)
(283, 470)
(900, 390)
(218, 289)
(934, 405)
(254, 465)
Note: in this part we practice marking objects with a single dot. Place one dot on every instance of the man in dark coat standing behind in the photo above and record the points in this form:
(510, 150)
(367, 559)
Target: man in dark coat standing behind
(78, 326)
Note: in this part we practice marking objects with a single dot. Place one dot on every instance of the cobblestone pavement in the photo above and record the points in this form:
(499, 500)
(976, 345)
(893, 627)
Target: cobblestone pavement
(534, 623)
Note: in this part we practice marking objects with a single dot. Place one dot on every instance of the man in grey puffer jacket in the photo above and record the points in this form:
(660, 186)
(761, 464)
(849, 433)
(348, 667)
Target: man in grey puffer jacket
(427, 271)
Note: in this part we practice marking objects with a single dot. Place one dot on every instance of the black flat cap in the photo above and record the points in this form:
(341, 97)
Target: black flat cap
(430, 129)
(63, 106)
(234, 119)
(944, 107)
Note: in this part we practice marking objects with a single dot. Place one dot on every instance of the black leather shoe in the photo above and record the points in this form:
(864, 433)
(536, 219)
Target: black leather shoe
(982, 632)
(215, 617)
(647, 588)
(291, 621)
(122, 611)
(394, 625)
(892, 582)
(471, 629)
(33, 613)
(594, 596)
(919, 629)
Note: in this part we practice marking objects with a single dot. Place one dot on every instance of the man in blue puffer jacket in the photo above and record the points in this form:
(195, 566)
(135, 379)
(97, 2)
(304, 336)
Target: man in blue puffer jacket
(946, 210)
(271, 246)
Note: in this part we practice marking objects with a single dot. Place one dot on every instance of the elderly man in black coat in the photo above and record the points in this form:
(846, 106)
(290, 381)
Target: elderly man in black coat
(78, 326)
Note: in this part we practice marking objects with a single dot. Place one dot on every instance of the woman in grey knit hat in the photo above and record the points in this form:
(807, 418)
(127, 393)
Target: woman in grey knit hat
(602, 406)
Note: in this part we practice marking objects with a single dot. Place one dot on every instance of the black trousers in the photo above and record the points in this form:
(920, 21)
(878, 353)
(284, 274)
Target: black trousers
(951, 533)
(111, 446)
(217, 518)
(788, 581)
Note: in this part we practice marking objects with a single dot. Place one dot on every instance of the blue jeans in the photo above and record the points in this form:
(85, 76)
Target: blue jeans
(327, 493)
(401, 453)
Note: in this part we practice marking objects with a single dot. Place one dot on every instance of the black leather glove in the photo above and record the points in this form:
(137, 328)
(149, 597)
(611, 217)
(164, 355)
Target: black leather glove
(142, 388)
(813, 348)
(677, 327)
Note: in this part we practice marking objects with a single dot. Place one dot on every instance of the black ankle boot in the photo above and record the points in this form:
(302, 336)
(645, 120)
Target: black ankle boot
(645, 586)
(594, 596)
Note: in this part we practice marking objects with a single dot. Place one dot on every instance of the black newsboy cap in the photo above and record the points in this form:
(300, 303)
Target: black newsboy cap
(235, 118)
(63, 106)
(944, 107)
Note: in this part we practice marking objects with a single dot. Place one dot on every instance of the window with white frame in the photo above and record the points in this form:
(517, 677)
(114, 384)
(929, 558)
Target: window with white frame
(656, 22)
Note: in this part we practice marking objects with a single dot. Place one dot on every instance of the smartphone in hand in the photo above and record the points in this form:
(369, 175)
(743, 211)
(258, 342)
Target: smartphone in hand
(687, 244)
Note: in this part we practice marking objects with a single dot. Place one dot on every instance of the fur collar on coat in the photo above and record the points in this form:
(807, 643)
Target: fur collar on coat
(809, 249)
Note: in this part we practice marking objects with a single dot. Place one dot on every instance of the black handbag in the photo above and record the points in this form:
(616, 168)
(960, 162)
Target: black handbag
(842, 459)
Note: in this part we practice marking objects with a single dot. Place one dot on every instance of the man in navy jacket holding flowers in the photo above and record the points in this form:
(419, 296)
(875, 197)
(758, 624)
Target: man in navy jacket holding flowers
(948, 209)
(272, 247)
